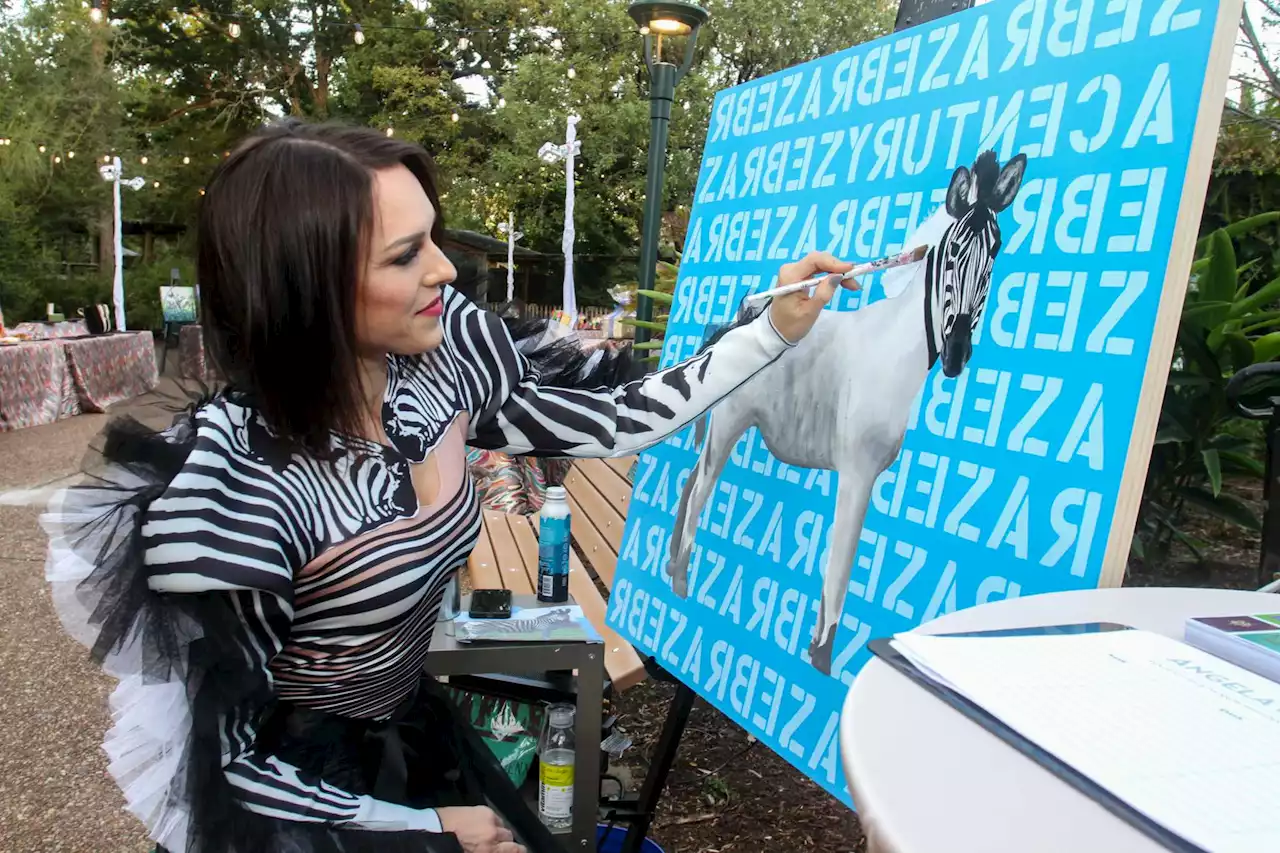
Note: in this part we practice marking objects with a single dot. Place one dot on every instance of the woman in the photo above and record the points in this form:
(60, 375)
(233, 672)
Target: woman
(264, 576)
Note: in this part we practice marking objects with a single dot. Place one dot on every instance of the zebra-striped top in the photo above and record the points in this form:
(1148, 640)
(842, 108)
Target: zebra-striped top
(336, 570)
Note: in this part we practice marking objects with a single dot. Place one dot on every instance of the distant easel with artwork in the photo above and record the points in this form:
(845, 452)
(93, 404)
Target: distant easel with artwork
(178, 305)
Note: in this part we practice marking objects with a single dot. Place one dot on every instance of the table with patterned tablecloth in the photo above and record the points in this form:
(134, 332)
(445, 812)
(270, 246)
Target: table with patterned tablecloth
(109, 369)
(51, 331)
(193, 363)
(35, 385)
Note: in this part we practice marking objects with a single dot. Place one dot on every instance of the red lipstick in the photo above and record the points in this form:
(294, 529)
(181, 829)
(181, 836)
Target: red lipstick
(434, 309)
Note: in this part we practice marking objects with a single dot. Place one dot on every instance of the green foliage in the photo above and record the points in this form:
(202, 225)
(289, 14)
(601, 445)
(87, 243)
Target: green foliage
(1228, 323)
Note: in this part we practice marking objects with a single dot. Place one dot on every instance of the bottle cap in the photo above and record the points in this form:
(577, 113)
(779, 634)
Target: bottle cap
(557, 493)
(561, 715)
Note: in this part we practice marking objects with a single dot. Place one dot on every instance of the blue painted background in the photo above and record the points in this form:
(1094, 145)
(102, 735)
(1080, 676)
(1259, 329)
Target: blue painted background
(1008, 477)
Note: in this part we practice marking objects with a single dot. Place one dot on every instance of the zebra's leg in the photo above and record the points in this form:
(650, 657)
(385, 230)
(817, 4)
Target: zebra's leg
(721, 436)
(852, 498)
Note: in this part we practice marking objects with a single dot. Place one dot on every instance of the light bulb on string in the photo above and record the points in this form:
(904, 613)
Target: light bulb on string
(143, 161)
(202, 191)
(57, 159)
(391, 131)
(359, 35)
(464, 43)
(71, 155)
(156, 184)
(43, 149)
(572, 73)
(106, 158)
(644, 31)
(455, 116)
(186, 161)
(95, 14)
(502, 102)
(233, 29)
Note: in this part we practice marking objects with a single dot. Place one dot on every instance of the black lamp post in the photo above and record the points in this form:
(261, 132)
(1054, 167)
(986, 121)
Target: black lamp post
(659, 19)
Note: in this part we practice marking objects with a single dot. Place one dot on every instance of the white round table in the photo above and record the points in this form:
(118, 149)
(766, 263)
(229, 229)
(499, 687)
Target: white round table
(925, 779)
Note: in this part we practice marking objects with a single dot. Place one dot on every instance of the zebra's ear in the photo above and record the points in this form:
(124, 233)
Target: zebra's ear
(1009, 182)
(958, 193)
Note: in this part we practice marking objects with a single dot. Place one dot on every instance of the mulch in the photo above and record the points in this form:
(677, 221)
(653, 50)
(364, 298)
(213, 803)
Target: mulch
(728, 792)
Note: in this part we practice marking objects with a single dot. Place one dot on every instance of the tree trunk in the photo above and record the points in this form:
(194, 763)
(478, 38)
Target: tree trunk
(106, 242)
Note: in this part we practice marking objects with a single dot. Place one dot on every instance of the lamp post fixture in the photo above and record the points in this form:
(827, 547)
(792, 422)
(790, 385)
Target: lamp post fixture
(658, 19)
(112, 173)
(550, 152)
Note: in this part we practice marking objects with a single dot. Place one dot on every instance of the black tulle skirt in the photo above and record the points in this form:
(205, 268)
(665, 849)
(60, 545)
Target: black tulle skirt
(424, 756)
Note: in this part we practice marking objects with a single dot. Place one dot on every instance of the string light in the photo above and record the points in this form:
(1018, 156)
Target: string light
(71, 155)
(455, 116)
(391, 131)
(463, 43)
(359, 35)
(57, 159)
(42, 149)
(95, 14)
(202, 191)
(502, 102)
(233, 30)
(572, 73)
(6, 141)
(186, 161)
(143, 161)
(156, 184)
(106, 158)
(644, 31)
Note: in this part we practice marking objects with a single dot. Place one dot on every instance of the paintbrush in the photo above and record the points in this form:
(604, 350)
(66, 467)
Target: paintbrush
(901, 259)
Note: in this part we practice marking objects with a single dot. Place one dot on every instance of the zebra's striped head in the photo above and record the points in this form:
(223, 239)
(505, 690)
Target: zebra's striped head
(959, 266)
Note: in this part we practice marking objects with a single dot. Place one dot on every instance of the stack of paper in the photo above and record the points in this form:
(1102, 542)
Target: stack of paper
(1191, 741)
(1252, 642)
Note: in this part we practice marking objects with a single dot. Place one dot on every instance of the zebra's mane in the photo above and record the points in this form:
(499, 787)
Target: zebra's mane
(928, 233)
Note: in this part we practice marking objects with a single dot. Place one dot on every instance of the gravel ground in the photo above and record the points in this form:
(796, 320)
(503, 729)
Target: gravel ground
(55, 794)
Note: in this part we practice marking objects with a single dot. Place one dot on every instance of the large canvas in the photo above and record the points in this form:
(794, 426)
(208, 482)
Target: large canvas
(971, 428)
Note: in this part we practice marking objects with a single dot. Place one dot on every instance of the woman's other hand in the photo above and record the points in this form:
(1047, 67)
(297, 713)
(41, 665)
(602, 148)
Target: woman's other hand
(478, 829)
(794, 314)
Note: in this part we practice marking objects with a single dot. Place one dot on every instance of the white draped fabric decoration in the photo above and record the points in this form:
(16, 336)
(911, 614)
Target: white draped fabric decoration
(113, 173)
(512, 236)
(571, 147)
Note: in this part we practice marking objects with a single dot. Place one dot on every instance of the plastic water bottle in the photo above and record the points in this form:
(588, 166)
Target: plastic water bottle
(555, 769)
(553, 547)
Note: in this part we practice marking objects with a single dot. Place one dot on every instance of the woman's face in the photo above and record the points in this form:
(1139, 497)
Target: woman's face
(399, 301)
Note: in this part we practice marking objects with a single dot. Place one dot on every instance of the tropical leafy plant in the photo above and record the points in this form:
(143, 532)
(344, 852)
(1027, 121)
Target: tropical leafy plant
(662, 296)
(1229, 321)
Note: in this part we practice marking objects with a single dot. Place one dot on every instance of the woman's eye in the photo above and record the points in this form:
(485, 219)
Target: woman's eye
(409, 256)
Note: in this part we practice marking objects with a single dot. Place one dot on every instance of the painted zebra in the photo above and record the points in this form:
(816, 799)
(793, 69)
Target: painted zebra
(842, 399)
(543, 624)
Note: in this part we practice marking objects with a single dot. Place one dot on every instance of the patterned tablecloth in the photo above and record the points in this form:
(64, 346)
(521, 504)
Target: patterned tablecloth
(109, 369)
(35, 385)
(192, 362)
(51, 331)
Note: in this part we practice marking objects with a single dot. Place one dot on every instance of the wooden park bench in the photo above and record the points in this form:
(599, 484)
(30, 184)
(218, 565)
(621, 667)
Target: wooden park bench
(507, 554)
(507, 557)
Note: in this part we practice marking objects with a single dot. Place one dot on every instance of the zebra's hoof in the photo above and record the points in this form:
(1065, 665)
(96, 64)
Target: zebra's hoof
(680, 584)
(820, 654)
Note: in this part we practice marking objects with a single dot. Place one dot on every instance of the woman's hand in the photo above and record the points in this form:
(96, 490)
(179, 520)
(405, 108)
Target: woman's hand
(478, 829)
(794, 314)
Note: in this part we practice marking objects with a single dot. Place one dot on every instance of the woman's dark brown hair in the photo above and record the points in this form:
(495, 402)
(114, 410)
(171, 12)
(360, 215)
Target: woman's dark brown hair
(284, 226)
